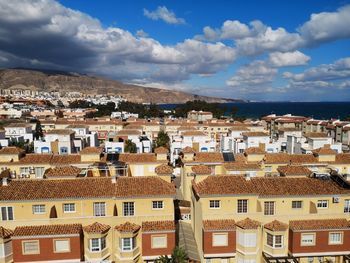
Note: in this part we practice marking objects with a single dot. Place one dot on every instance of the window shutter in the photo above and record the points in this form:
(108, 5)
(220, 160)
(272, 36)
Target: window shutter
(159, 241)
(62, 245)
(220, 239)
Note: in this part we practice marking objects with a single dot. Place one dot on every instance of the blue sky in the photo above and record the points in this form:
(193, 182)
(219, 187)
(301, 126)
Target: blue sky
(256, 50)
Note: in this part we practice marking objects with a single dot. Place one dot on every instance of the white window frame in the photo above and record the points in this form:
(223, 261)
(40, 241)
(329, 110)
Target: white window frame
(61, 251)
(39, 209)
(157, 205)
(214, 204)
(269, 208)
(165, 243)
(332, 242)
(214, 244)
(101, 244)
(322, 204)
(128, 208)
(32, 252)
(297, 202)
(243, 206)
(6, 209)
(99, 209)
(132, 245)
(347, 206)
(302, 241)
(274, 242)
(69, 206)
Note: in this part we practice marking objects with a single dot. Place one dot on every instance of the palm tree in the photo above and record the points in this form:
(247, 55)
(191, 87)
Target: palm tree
(178, 256)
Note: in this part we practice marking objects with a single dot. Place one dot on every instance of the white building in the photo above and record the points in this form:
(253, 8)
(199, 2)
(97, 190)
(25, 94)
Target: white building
(56, 141)
(19, 132)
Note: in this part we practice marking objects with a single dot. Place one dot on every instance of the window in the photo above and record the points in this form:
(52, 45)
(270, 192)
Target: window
(322, 204)
(242, 206)
(347, 206)
(61, 245)
(128, 209)
(274, 241)
(247, 239)
(128, 244)
(100, 209)
(30, 247)
(269, 208)
(38, 209)
(220, 240)
(39, 172)
(159, 241)
(268, 169)
(24, 170)
(335, 238)
(6, 213)
(157, 204)
(69, 208)
(297, 204)
(310, 260)
(214, 204)
(97, 244)
(64, 150)
(307, 239)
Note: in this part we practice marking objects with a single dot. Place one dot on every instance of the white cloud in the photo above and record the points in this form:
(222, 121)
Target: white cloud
(163, 13)
(296, 58)
(338, 70)
(327, 26)
(141, 33)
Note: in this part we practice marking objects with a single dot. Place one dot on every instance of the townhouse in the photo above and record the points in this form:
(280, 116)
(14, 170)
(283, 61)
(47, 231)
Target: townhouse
(280, 219)
(124, 219)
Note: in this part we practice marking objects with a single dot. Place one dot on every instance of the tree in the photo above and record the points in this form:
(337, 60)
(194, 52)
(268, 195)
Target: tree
(178, 256)
(38, 133)
(162, 139)
(130, 147)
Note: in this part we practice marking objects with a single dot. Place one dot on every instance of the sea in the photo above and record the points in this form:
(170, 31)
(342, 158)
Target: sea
(255, 110)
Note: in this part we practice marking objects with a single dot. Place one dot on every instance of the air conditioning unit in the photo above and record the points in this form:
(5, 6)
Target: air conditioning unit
(336, 199)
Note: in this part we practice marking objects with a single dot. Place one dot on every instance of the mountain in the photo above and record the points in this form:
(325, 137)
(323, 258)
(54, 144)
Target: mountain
(51, 80)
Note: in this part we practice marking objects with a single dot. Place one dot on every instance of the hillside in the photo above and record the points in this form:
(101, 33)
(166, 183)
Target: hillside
(49, 80)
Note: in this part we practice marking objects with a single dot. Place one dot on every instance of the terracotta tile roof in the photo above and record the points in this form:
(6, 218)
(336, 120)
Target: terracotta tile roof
(129, 132)
(319, 224)
(143, 186)
(11, 150)
(96, 228)
(326, 150)
(86, 188)
(63, 171)
(255, 134)
(5, 233)
(60, 131)
(276, 225)
(193, 133)
(91, 150)
(65, 159)
(254, 150)
(46, 230)
(154, 226)
(201, 169)
(342, 158)
(302, 158)
(36, 158)
(294, 170)
(266, 186)
(248, 224)
(161, 150)
(209, 157)
(220, 224)
(138, 158)
(242, 166)
(188, 149)
(164, 169)
(271, 158)
(128, 227)
(5, 173)
(316, 135)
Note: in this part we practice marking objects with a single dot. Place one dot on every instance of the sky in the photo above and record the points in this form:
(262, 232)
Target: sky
(255, 50)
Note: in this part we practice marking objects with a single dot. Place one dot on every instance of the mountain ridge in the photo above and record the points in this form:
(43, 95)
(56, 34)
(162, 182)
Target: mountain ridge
(64, 81)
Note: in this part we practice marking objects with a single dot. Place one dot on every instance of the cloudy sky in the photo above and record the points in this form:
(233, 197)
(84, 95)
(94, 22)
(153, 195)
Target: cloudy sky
(259, 50)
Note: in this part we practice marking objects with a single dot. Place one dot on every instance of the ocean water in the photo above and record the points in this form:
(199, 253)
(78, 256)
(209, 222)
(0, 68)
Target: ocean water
(317, 110)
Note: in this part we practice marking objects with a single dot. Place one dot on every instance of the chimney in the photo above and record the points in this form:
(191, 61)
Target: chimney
(114, 179)
(4, 181)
